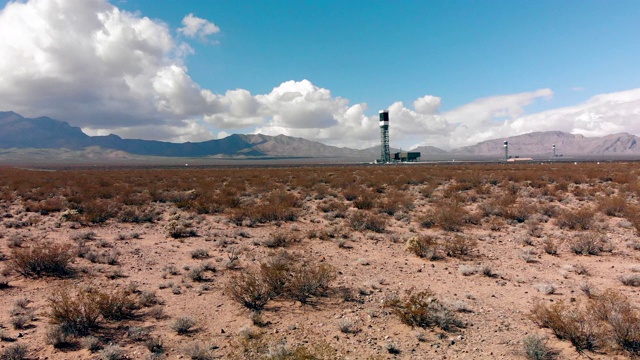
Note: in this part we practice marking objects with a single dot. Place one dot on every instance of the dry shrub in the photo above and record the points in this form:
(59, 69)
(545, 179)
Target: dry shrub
(281, 275)
(333, 206)
(549, 246)
(178, 228)
(74, 309)
(393, 202)
(365, 201)
(116, 305)
(606, 319)
(280, 239)
(630, 279)
(568, 323)
(423, 310)
(588, 243)
(46, 259)
(519, 212)
(98, 211)
(450, 215)
(425, 246)
(364, 220)
(79, 311)
(15, 352)
(137, 214)
(249, 290)
(59, 337)
(578, 219)
(183, 325)
(535, 348)
(622, 319)
(459, 245)
(613, 205)
(310, 280)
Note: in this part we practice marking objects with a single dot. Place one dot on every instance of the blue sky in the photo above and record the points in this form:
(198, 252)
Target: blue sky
(489, 68)
(384, 51)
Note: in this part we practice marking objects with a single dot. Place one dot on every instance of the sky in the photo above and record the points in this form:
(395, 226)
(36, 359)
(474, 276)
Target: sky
(451, 73)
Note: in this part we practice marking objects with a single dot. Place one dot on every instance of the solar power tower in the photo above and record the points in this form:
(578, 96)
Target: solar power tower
(385, 153)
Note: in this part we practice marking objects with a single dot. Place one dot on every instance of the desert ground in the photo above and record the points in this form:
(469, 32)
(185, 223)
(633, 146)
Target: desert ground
(470, 261)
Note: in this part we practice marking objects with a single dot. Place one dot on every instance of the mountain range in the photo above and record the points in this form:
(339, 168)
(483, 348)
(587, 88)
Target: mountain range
(18, 132)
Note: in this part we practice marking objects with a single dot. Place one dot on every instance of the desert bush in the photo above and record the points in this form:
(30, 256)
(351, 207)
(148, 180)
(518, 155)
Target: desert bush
(138, 333)
(393, 202)
(59, 336)
(308, 280)
(450, 215)
(333, 206)
(197, 273)
(630, 279)
(249, 290)
(459, 245)
(467, 270)
(365, 201)
(428, 219)
(549, 246)
(528, 255)
(117, 304)
(622, 319)
(578, 219)
(148, 298)
(179, 228)
(74, 309)
(98, 211)
(183, 325)
(91, 343)
(518, 212)
(281, 275)
(546, 288)
(363, 220)
(613, 205)
(200, 254)
(588, 243)
(154, 345)
(535, 348)
(280, 239)
(200, 351)
(425, 246)
(112, 352)
(568, 323)
(15, 352)
(348, 326)
(423, 310)
(46, 259)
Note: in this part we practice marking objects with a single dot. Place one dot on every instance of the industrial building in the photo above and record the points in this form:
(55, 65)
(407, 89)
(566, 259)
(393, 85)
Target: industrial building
(406, 156)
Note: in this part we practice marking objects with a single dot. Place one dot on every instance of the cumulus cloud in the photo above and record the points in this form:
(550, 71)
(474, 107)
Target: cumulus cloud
(96, 66)
(195, 26)
(601, 115)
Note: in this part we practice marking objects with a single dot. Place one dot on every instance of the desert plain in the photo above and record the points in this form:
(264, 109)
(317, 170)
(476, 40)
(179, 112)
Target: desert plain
(533, 260)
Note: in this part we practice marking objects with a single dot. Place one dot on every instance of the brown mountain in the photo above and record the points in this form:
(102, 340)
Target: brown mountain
(17, 132)
(540, 144)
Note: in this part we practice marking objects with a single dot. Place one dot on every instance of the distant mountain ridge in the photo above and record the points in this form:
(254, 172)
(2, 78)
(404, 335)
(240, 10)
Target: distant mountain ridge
(541, 143)
(17, 132)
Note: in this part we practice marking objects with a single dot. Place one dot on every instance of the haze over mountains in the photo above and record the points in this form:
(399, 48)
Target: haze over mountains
(17, 132)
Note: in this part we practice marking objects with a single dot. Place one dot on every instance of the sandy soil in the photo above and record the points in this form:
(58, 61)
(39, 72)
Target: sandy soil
(375, 266)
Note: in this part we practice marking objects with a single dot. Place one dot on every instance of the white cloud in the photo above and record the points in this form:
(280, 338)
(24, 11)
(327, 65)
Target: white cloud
(195, 26)
(601, 115)
(96, 66)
